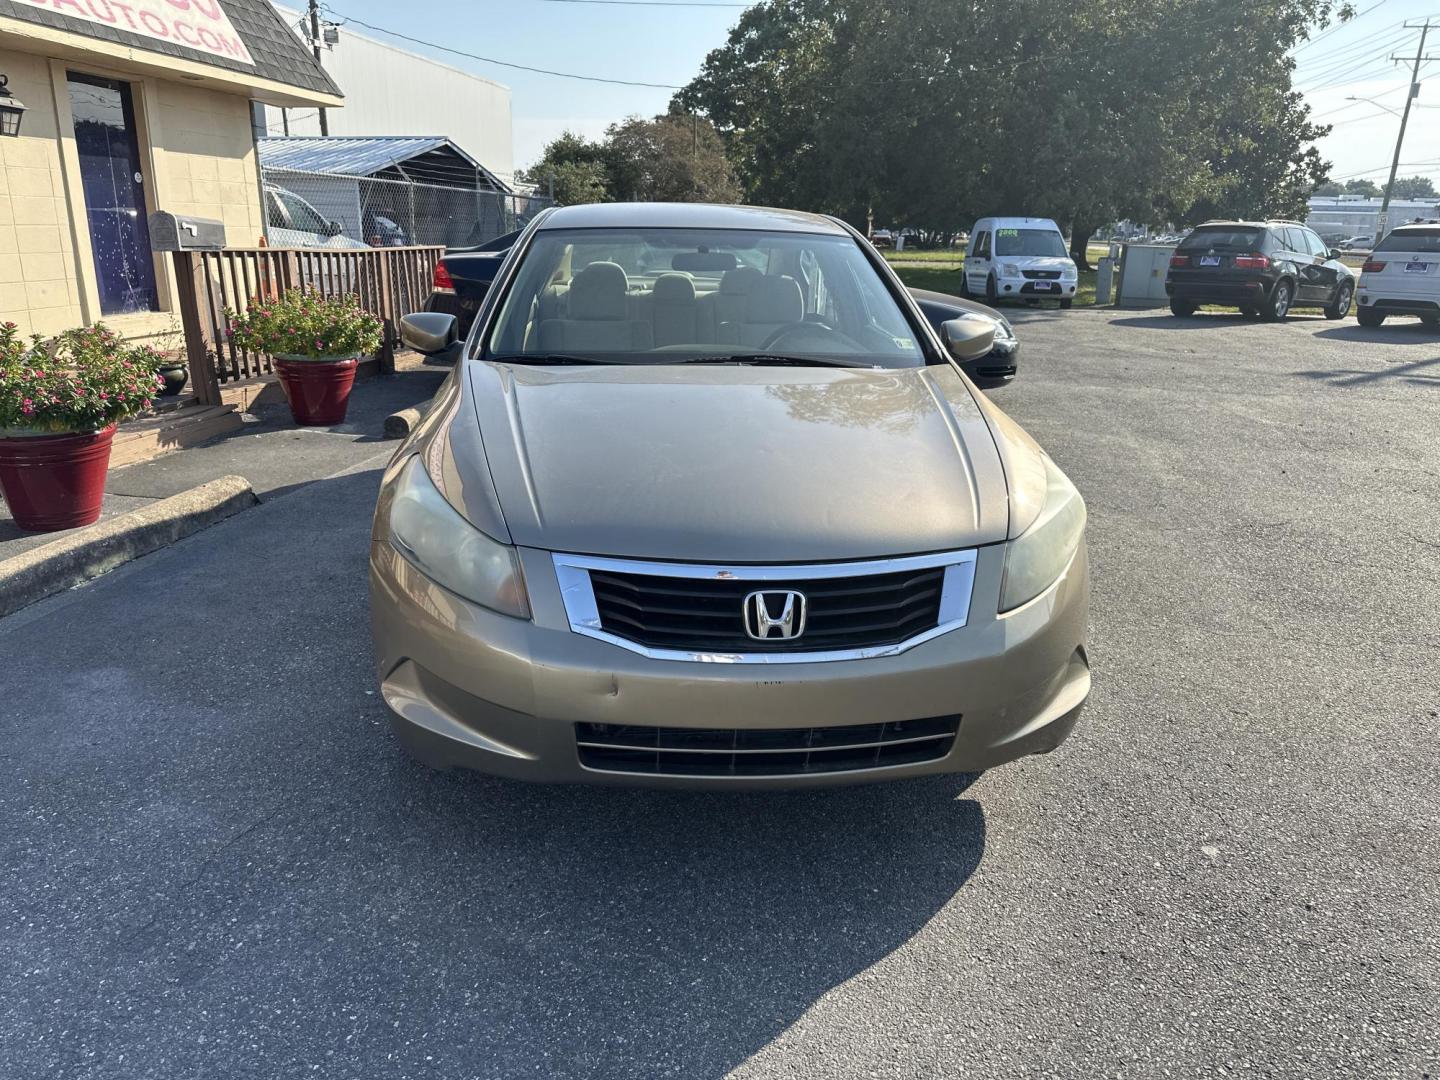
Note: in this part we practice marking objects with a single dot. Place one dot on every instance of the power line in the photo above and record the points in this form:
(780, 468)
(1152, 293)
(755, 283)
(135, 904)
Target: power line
(345, 20)
(1339, 25)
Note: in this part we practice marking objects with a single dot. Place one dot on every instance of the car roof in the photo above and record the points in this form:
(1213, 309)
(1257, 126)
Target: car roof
(636, 215)
(1016, 222)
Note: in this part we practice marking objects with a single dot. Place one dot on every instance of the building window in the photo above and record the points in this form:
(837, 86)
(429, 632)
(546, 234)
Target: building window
(114, 185)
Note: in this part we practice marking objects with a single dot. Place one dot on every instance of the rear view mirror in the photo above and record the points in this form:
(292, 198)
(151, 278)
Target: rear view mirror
(968, 339)
(429, 332)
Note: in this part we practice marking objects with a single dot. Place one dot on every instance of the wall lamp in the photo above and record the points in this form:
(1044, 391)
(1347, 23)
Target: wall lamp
(11, 109)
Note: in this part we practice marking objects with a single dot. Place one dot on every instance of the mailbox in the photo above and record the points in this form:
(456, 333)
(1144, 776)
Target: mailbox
(175, 232)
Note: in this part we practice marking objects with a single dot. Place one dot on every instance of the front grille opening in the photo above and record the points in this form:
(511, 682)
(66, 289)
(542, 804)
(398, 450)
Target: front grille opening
(674, 751)
(707, 614)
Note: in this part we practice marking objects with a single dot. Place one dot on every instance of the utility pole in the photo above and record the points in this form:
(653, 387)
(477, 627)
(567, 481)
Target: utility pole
(1382, 223)
(315, 41)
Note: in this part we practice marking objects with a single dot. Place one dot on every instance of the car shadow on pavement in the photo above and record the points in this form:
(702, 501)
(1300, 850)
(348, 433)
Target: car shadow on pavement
(1405, 333)
(645, 933)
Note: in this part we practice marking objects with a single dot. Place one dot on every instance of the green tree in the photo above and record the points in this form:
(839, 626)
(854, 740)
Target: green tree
(672, 158)
(1414, 187)
(933, 113)
(1328, 190)
(574, 167)
(1368, 189)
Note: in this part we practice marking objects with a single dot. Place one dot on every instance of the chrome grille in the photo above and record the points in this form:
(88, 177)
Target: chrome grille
(699, 612)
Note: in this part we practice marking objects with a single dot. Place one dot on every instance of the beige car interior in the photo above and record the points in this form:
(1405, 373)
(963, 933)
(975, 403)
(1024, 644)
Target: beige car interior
(599, 308)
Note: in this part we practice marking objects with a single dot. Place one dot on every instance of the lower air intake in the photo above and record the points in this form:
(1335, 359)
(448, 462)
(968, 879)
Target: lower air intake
(675, 751)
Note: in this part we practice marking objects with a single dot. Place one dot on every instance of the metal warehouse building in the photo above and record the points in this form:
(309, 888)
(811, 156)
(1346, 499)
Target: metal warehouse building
(389, 91)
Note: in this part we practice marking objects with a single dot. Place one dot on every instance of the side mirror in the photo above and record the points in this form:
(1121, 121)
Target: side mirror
(333, 228)
(429, 332)
(1336, 253)
(967, 339)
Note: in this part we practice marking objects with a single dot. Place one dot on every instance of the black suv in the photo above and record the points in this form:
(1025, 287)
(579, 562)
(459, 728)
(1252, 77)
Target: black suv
(1264, 268)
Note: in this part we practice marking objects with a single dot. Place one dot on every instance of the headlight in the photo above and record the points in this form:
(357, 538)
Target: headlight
(1069, 273)
(1038, 556)
(451, 552)
(1010, 270)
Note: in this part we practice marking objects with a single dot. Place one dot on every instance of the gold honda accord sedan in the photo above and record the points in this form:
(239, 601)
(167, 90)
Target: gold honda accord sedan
(705, 501)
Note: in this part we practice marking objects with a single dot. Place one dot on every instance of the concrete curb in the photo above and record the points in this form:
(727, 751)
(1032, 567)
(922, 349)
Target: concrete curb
(96, 549)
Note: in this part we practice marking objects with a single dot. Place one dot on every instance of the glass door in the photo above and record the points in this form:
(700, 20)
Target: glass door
(114, 186)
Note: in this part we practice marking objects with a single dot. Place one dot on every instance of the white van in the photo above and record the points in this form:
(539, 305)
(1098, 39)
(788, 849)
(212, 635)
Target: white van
(1024, 258)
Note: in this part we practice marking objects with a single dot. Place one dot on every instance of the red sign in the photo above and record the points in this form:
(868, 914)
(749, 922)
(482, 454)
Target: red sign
(201, 25)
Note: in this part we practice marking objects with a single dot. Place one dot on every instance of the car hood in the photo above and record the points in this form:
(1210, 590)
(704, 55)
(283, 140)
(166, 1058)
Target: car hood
(1037, 262)
(739, 464)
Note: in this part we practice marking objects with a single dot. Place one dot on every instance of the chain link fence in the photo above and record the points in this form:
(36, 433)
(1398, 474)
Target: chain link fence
(312, 209)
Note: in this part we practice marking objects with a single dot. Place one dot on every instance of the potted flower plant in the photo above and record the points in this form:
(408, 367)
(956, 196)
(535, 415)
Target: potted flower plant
(59, 403)
(316, 342)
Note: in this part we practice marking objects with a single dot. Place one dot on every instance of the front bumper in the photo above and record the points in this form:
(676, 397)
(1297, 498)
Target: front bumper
(469, 688)
(1000, 364)
(1033, 289)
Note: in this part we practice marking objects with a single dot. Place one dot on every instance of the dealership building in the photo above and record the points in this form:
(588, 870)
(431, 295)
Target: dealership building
(125, 108)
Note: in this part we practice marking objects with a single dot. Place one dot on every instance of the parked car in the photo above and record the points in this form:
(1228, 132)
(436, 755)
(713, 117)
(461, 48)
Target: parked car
(1264, 268)
(996, 367)
(1020, 258)
(381, 231)
(293, 222)
(1357, 243)
(737, 522)
(1402, 277)
(462, 278)
(882, 238)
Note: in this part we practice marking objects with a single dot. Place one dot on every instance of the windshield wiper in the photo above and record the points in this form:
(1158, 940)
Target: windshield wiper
(767, 359)
(551, 358)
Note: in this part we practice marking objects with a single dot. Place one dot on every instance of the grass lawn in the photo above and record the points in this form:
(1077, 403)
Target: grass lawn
(938, 271)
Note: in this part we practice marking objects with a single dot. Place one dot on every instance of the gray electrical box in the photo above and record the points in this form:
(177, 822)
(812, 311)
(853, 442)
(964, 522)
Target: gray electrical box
(175, 232)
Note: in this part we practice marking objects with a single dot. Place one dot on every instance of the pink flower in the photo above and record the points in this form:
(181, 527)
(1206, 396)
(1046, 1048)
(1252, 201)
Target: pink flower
(104, 396)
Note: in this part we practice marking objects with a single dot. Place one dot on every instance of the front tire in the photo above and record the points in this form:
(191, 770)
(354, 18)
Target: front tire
(1369, 317)
(964, 283)
(1277, 307)
(1250, 311)
(1067, 303)
(1182, 309)
(990, 294)
(1340, 306)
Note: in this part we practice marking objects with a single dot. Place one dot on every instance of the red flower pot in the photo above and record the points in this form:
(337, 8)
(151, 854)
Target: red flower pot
(319, 390)
(55, 482)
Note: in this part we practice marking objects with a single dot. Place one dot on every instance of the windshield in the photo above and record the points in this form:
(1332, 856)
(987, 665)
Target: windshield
(655, 296)
(1420, 241)
(1041, 242)
(1222, 239)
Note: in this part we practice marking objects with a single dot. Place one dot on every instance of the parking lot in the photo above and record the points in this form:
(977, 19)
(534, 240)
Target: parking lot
(218, 863)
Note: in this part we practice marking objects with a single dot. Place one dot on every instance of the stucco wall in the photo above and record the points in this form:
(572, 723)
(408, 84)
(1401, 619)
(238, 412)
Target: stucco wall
(38, 284)
(199, 155)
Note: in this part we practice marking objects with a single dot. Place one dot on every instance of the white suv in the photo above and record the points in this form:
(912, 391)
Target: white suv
(1023, 258)
(1402, 276)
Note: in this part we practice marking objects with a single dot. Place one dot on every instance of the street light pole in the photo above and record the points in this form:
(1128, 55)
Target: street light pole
(1382, 222)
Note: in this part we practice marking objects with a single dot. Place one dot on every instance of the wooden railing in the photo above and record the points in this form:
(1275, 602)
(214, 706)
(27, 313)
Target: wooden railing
(389, 282)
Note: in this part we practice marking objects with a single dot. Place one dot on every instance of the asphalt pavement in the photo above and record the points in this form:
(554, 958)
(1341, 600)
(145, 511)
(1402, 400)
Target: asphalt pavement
(217, 862)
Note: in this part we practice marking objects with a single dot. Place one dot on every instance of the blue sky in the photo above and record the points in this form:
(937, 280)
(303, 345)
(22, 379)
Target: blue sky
(666, 45)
